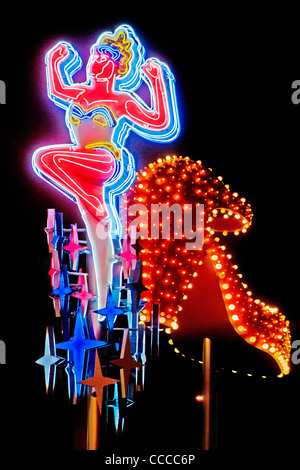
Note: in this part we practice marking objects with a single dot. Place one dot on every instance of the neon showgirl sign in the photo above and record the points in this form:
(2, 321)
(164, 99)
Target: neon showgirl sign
(96, 167)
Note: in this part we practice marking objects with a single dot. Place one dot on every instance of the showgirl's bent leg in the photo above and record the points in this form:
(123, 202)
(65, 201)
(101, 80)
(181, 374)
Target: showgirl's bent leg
(82, 174)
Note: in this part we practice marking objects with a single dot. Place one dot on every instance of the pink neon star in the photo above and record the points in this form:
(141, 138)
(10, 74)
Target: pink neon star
(54, 271)
(127, 256)
(83, 295)
(73, 247)
(50, 228)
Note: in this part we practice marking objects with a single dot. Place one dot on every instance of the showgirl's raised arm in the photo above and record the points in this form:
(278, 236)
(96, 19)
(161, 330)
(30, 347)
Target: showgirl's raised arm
(62, 62)
(157, 118)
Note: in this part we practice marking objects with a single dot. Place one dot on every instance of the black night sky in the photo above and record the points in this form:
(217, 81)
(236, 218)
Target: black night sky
(234, 71)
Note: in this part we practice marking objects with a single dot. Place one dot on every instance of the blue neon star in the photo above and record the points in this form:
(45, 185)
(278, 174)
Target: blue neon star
(78, 345)
(110, 311)
(64, 290)
(58, 236)
(136, 287)
(49, 359)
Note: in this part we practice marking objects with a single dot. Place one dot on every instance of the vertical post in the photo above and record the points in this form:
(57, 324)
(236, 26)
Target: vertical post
(2, 352)
(92, 423)
(141, 357)
(207, 395)
(2, 92)
(155, 331)
(93, 324)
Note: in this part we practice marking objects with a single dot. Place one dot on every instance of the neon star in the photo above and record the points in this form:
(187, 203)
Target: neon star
(58, 236)
(127, 257)
(54, 271)
(50, 228)
(78, 345)
(49, 359)
(126, 363)
(98, 381)
(74, 248)
(136, 286)
(83, 294)
(110, 311)
(64, 290)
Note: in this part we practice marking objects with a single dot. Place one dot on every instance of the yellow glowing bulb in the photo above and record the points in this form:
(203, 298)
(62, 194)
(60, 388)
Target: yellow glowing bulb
(199, 397)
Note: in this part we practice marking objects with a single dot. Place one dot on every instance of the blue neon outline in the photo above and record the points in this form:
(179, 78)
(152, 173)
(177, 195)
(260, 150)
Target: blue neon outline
(114, 53)
(71, 65)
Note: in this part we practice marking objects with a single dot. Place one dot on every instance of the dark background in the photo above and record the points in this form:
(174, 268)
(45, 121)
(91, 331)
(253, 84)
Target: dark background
(234, 69)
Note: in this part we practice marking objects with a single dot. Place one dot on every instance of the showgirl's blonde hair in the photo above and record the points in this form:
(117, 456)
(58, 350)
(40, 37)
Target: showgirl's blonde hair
(119, 47)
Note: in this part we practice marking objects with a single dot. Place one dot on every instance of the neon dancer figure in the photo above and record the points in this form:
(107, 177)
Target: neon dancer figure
(96, 167)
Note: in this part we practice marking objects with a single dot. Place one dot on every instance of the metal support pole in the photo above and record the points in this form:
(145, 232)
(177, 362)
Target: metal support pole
(207, 395)
(155, 331)
(93, 419)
